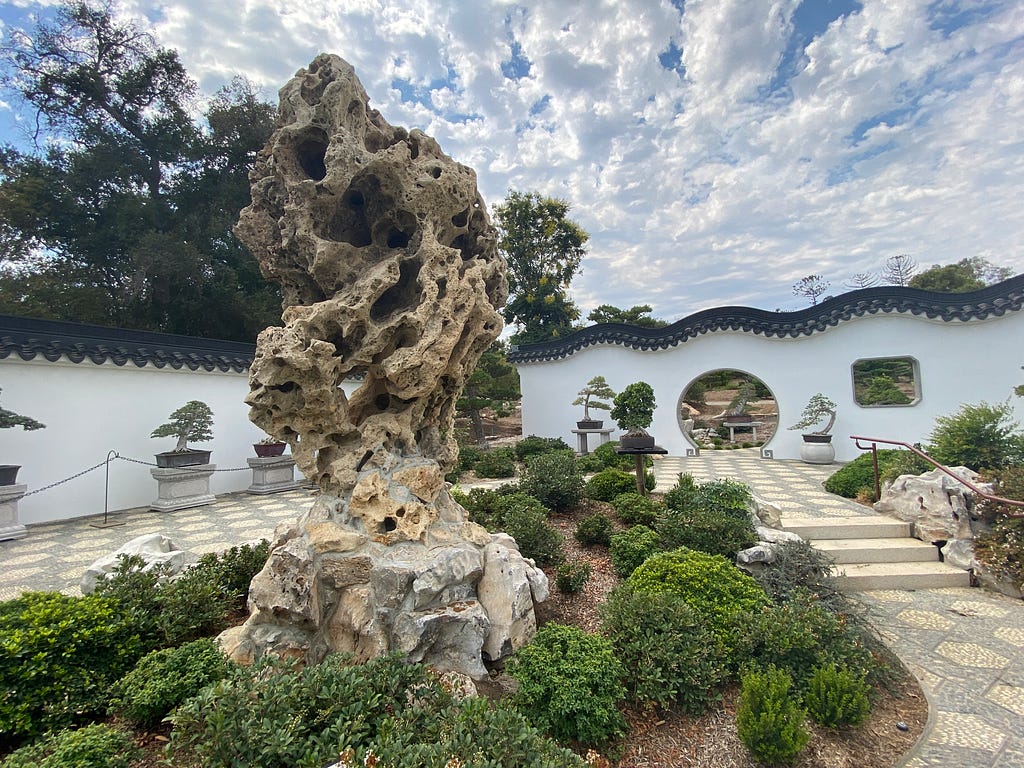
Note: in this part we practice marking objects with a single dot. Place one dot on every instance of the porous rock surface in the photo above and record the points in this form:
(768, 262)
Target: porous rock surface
(390, 273)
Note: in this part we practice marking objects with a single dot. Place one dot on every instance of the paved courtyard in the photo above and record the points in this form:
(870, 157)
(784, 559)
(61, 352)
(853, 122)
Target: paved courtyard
(966, 646)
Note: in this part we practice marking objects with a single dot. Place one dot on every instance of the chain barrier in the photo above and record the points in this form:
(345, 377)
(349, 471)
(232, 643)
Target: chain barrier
(125, 458)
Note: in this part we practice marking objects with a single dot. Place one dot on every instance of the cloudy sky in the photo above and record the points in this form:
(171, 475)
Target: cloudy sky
(716, 150)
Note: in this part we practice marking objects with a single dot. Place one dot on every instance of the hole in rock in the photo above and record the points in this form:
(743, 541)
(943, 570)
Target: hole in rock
(390, 524)
(435, 172)
(461, 219)
(382, 402)
(362, 462)
(397, 239)
(402, 295)
(288, 386)
(442, 288)
(312, 154)
(400, 512)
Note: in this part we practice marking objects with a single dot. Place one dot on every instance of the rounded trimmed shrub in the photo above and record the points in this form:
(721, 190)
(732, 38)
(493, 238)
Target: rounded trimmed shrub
(769, 722)
(837, 697)
(631, 548)
(669, 659)
(571, 577)
(595, 529)
(554, 479)
(716, 530)
(534, 446)
(634, 509)
(858, 476)
(609, 483)
(497, 463)
(164, 679)
(94, 746)
(719, 592)
(570, 684)
(526, 520)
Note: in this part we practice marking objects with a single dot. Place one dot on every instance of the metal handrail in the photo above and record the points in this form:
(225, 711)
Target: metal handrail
(918, 452)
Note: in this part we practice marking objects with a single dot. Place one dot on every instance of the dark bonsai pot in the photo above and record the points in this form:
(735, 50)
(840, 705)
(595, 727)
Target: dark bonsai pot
(636, 441)
(189, 458)
(9, 473)
(589, 424)
(266, 450)
(817, 438)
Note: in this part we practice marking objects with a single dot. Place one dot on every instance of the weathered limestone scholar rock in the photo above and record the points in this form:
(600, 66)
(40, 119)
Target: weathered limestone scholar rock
(940, 508)
(390, 273)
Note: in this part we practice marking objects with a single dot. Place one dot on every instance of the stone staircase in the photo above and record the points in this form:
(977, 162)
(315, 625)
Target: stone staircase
(877, 552)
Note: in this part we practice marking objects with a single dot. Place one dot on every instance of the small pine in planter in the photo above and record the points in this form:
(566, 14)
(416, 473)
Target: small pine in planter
(9, 420)
(593, 395)
(817, 446)
(193, 421)
(633, 411)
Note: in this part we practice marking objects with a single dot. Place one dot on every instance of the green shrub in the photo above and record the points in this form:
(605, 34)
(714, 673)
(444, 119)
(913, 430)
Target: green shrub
(681, 495)
(593, 530)
(718, 531)
(718, 591)
(769, 723)
(569, 684)
(58, 658)
(483, 506)
(497, 463)
(668, 657)
(798, 568)
(800, 636)
(469, 455)
(836, 697)
(94, 746)
(609, 483)
(136, 593)
(589, 463)
(572, 576)
(233, 569)
(526, 520)
(164, 679)
(977, 436)
(1001, 549)
(609, 458)
(631, 548)
(192, 606)
(555, 480)
(275, 717)
(533, 446)
(634, 509)
(858, 476)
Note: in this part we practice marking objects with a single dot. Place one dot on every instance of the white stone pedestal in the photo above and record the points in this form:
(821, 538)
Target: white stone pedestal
(272, 474)
(182, 487)
(10, 528)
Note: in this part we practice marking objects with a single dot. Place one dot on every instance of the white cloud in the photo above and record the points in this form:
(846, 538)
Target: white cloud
(721, 183)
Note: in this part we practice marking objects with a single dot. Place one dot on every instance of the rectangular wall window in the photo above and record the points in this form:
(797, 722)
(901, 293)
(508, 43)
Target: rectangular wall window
(886, 381)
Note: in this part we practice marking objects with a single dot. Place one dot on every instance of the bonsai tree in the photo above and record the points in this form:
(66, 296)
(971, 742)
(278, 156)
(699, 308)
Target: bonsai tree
(9, 419)
(817, 409)
(633, 408)
(593, 396)
(746, 393)
(193, 421)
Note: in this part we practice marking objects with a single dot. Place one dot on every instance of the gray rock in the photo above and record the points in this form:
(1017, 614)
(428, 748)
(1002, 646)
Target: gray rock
(938, 506)
(766, 513)
(155, 548)
(759, 553)
(773, 535)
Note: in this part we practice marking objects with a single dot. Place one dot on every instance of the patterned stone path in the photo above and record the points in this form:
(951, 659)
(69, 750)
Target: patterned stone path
(966, 646)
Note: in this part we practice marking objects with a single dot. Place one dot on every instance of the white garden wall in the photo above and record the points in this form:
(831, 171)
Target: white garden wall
(960, 362)
(90, 409)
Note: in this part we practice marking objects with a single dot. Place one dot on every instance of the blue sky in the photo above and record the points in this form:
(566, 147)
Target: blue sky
(716, 150)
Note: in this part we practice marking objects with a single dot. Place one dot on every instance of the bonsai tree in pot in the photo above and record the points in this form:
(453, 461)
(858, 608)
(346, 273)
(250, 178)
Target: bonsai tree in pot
(817, 446)
(593, 396)
(193, 421)
(633, 411)
(8, 420)
(269, 446)
(738, 407)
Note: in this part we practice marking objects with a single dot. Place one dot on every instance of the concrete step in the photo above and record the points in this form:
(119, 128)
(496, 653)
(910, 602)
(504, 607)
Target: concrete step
(864, 576)
(901, 550)
(859, 527)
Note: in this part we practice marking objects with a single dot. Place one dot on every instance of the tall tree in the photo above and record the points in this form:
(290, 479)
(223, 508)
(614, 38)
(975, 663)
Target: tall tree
(899, 269)
(543, 248)
(122, 214)
(606, 313)
(966, 275)
(863, 280)
(811, 287)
